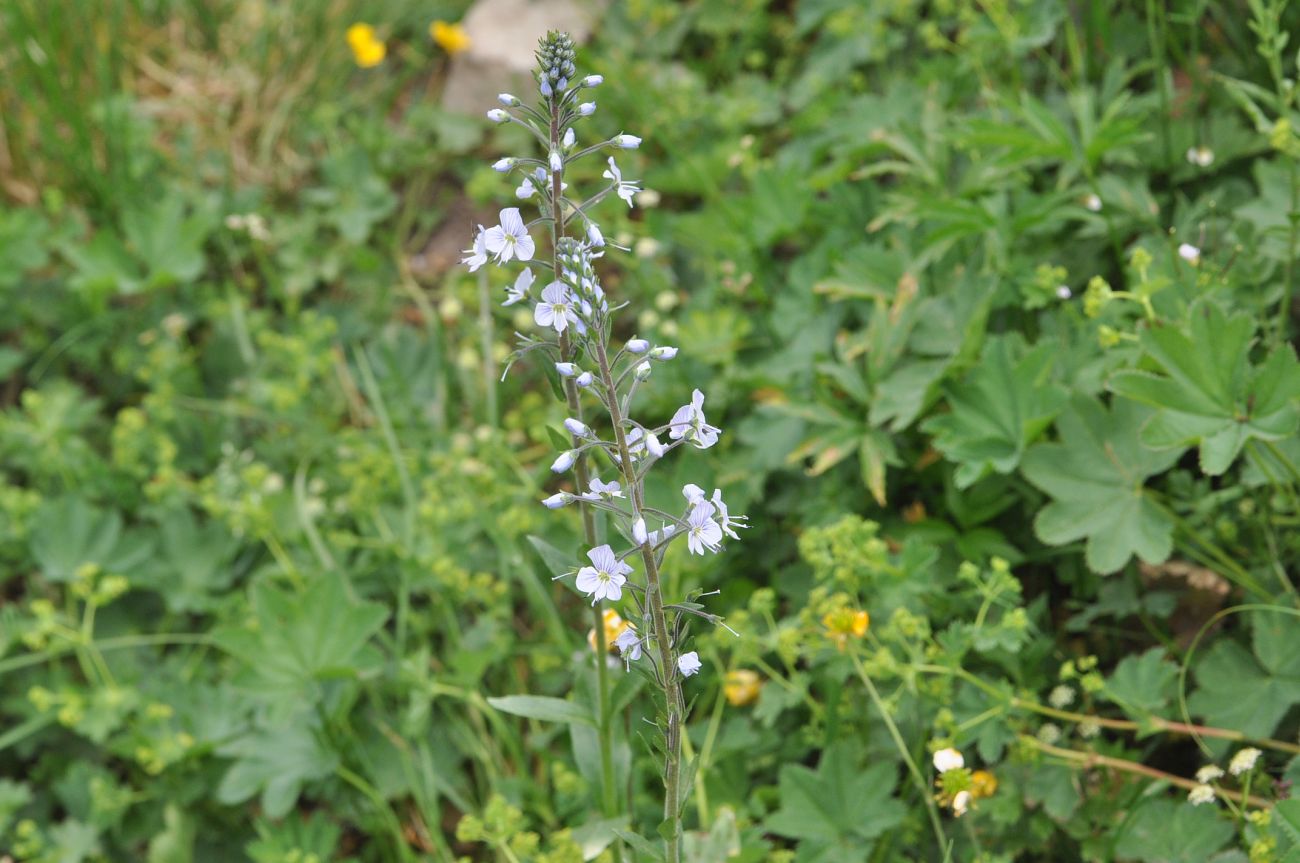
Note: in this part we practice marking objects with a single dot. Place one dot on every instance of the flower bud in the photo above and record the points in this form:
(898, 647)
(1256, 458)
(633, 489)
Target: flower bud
(663, 352)
(637, 346)
(557, 164)
(508, 100)
(639, 534)
(627, 142)
(498, 115)
(593, 80)
(566, 370)
(594, 236)
(586, 109)
(570, 138)
(584, 379)
(643, 371)
(557, 500)
(504, 165)
(565, 461)
(653, 446)
(577, 428)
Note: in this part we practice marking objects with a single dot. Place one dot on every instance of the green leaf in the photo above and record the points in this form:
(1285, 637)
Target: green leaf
(275, 762)
(544, 708)
(168, 239)
(1209, 393)
(721, 843)
(1167, 831)
(997, 410)
(303, 638)
(70, 532)
(1095, 477)
(839, 805)
(1143, 685)
(1251, 692)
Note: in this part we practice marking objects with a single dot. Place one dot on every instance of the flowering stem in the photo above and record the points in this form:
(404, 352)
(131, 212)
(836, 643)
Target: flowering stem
(922, 785)
(1086, 760)
(654, 592)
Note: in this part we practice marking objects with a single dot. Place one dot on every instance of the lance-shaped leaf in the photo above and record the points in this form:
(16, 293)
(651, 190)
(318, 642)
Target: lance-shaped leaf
(1095, 477)
(997, 410)
(1209, 394)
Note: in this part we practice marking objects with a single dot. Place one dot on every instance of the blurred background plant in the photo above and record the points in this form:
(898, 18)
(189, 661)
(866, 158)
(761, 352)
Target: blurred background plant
(997, 298)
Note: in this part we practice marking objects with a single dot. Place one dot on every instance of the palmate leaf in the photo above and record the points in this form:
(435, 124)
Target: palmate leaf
(1164, 831)
(1209, 393)
(1251, 690)
(1095, 477)
(997, 410)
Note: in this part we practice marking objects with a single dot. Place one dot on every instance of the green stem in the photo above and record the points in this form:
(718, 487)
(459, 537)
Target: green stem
(676, 711)
(921, 784)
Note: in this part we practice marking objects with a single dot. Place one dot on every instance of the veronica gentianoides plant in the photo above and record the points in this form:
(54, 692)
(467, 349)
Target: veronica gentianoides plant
(575, 323)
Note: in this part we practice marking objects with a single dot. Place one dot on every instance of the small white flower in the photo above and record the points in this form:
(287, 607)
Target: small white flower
(565, 461)
(1092, 202)
(526, 189)
(477, 254)
(639, 534)
(557, 163)
(510, 238)
(663, 352)
(497, 115)
(503, 165)
(1049, 733)
(627, 142)
(690, 423)
(556, 308)
(603, 489)
(518, 292)
(593, 80)
(1061, 697)
(1202, 157)
(594, 236)
(586, 109)
(605, 578)
(948, 759)
(693, 493)
(726, 520)
(1209, 773)
(625, 189)
(1189, 253)
(1063, 292)
(577, 428)
(637, 346)
(702, 532)
(584, 380)
(689, 664)
(960, 803)
(570, 138)
(1200, 794)
(629, 645)
(566, 370)
(508, 100)
(557, 500)
(1243, 761)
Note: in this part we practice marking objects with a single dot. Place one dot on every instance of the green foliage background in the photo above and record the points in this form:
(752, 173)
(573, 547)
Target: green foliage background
(274, 575)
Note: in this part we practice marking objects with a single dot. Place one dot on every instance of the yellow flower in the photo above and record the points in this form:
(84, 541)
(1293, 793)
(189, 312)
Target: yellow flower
(846, 622)
(367, 49)
(452, 38)
(614, 627)
(742, 687)
(983, 784)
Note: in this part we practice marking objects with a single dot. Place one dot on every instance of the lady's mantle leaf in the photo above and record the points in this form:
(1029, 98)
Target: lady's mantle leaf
(1095, 477)
(1210, 394)
(997, 411)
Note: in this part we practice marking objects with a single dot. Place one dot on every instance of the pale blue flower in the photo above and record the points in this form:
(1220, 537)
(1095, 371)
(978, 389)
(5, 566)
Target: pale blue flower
(577, 428)
(639, 443)
(690, 424)
(498, 115)
(545, 87)
(594, 236)
(565, 461)
(566, 370)
(586, 109)
(556, 308)
(585, 379)
(510, 238)
(569, 139)
(603, 489)
(627, 142)
(477, 255)
(557, 163)
(727, 520)
(663, 352)
(508, 100)
(593, 80)
(629, 645)
(639, 534)
(605, 578)
(702, 532)
(526, 189)
(557, 500)
(518, 292)
(625, 189)
(503, 166)
(689, 664)
(643, 370)
(693, 493)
